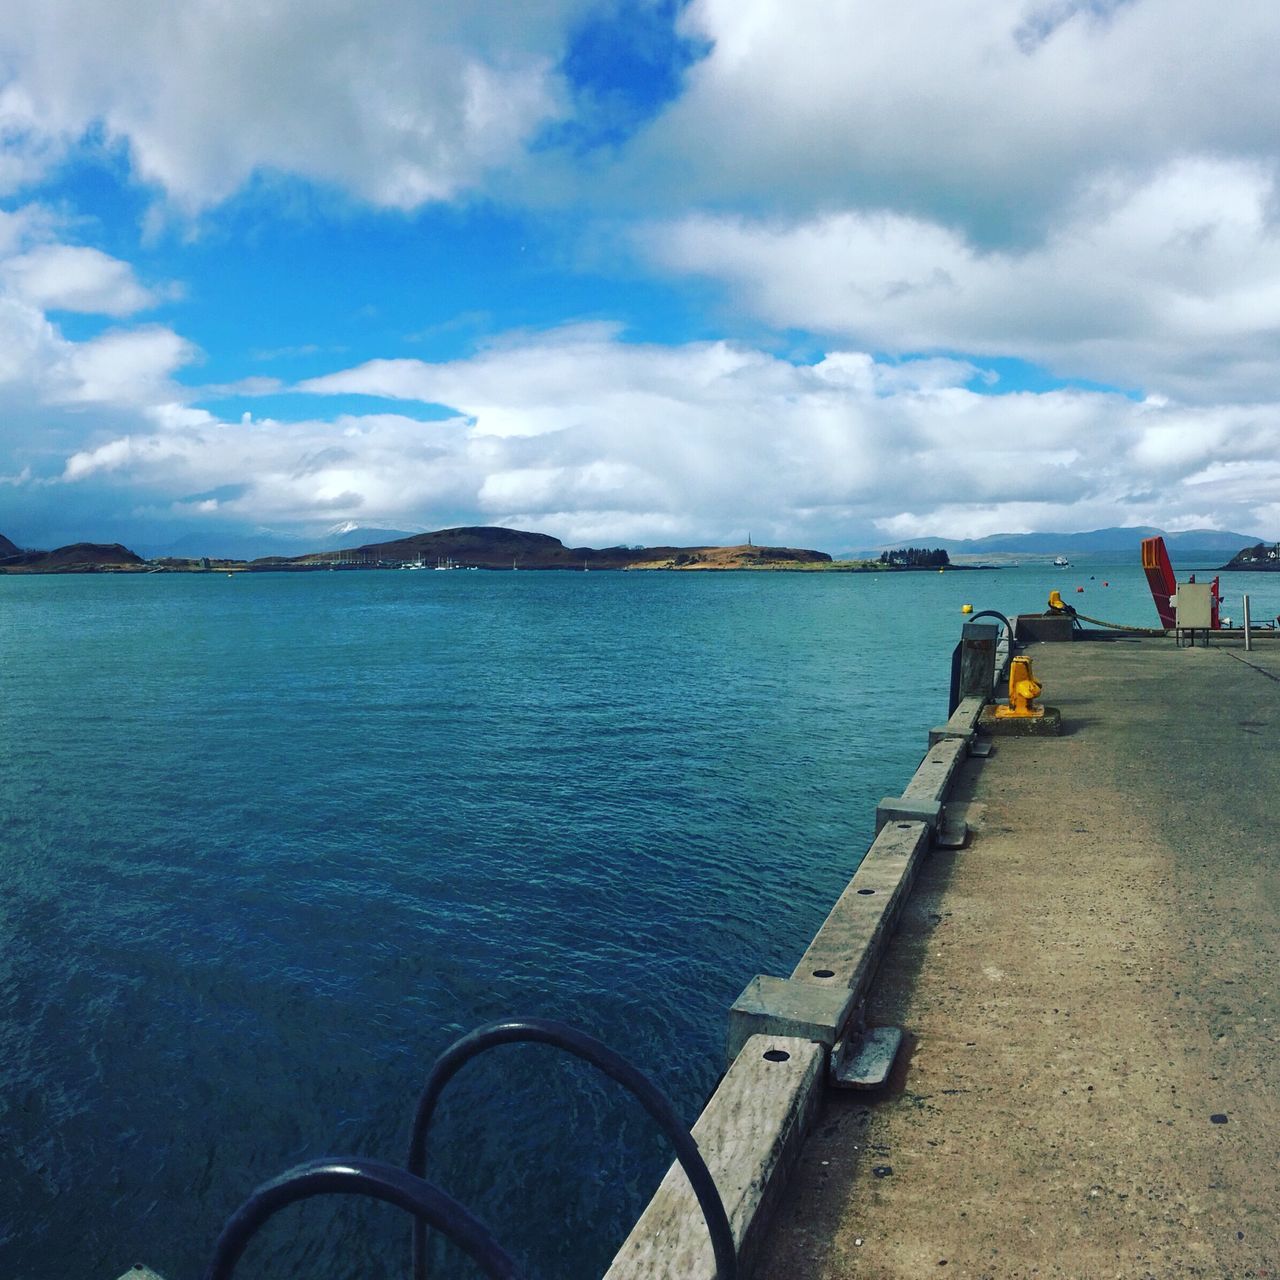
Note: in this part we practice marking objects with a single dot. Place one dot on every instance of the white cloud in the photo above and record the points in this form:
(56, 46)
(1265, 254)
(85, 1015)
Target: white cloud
(55, 392)
(63, 277)
(982, 113)
(395, 101)
(128, 367)
(1171, 284)
(599, 441)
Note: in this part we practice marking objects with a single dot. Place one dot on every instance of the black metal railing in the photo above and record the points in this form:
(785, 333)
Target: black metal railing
(599, 1055)
(408, 1189)
(376, 1180)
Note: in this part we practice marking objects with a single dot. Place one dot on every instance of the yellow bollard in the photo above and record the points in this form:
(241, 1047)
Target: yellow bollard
(1055, 601)
(1024, 688)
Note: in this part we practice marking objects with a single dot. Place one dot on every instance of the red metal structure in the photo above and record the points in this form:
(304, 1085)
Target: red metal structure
(1155, 562)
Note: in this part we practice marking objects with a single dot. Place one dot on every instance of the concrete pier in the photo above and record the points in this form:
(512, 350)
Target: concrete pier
(1091, 1080)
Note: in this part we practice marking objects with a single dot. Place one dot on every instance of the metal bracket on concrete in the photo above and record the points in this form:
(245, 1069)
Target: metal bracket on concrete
(864, 1061)
(787, 1007)
(900, 809)
(952, 832)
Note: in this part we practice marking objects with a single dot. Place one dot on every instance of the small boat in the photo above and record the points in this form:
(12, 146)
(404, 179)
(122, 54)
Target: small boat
(1061, 562)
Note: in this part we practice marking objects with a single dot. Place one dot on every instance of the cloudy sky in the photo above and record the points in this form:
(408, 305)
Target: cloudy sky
(837, 272)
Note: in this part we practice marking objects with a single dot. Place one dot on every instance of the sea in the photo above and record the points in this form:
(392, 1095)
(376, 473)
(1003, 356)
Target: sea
(270, 843)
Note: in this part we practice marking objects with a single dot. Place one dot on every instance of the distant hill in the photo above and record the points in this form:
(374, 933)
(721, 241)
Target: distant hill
(741, 557)
(1261, 558)
(489, 547)
(1094, 541)
(472, 546)
(486, 547)
(79, 557)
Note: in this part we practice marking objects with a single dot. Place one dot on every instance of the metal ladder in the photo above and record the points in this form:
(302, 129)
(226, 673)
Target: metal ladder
(408, 1189)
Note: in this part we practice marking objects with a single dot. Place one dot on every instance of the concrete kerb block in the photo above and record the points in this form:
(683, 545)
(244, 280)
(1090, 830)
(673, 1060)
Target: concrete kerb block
(750, 1135)
(785, 1007)
(900, 809)
(962, 724)
(932, 778)
(847, 949)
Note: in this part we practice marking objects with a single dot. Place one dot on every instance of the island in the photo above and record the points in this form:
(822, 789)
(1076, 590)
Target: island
(1260, 558)
(472, 547)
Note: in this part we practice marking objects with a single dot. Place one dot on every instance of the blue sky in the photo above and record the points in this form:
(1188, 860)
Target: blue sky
(839, 273)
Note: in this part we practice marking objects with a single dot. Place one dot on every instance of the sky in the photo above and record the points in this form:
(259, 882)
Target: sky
(834, 273)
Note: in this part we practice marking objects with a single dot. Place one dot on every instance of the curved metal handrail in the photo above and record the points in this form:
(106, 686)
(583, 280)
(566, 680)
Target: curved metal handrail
(561, 1036)
(993, 613)
(373, 1178)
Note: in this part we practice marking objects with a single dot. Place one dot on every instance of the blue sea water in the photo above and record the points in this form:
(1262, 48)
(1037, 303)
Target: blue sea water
(270, 843)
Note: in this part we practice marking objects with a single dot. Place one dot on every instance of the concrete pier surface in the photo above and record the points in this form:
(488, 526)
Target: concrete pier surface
(1091, 1081)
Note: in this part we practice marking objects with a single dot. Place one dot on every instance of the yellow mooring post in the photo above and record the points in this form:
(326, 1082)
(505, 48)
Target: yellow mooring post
(1024, 689)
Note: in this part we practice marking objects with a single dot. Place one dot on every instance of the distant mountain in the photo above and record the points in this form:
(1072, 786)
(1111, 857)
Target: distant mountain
(1094, 541)
(354, 535)
(8, 548)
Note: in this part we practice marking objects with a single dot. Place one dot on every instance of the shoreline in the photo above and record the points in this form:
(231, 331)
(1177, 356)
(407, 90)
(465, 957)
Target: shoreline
(240, 566)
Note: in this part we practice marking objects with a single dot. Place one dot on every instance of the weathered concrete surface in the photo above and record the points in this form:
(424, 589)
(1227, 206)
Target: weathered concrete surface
(1043, 726)
(1031, 627)
(932, 778)
(1087, 986)
(963, 722)
(787, 1007)
(750, 1135)
(846, 950)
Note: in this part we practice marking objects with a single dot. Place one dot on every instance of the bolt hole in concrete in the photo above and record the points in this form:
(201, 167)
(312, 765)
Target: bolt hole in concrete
(824, 973)
(902, 826)
(1218, 1118)
(866, 893)
(776, 1055)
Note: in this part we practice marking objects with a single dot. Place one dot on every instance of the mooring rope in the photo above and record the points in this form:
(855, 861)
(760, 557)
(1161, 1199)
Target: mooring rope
(1121, 626)
(1077, 617)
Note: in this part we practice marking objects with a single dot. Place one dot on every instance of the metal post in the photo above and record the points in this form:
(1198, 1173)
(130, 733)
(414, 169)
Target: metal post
(1248, 635)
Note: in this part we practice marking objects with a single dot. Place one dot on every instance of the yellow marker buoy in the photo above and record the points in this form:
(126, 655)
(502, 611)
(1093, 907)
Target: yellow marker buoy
(966, 608)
